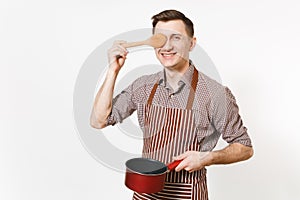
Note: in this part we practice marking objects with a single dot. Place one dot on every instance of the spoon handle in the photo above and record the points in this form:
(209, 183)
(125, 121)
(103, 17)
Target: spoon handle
(134, 44)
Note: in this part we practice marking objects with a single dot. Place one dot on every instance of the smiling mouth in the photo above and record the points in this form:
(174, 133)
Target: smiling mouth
(167, 55)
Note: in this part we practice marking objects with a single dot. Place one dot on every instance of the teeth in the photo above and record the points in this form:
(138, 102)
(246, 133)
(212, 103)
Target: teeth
(168, 54)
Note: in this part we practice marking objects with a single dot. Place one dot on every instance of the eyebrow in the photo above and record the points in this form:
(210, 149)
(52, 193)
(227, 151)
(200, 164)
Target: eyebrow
(176, 34)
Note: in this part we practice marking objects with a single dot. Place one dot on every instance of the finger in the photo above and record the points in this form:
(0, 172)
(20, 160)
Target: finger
(182, 165)
(181, 156)
(190, 170)
(118, 52)
(119, 44)
(123, 50)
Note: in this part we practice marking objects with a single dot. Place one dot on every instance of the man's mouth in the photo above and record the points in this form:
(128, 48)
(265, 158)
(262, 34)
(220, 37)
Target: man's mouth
(167, 54)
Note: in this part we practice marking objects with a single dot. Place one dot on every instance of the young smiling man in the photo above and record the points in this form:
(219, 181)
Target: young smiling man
(181, 111)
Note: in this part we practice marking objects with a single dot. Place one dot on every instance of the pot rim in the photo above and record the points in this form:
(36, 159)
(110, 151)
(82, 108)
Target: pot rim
(145, 174)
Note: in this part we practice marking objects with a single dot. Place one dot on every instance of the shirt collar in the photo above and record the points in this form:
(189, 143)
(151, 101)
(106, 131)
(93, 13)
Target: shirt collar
(186, 78)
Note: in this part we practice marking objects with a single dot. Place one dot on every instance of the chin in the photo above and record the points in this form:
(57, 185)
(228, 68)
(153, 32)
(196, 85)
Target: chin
(172, 63)
(169, 63)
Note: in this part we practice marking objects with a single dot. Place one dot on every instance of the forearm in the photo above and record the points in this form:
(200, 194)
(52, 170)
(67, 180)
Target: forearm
(195, 160)
(232, 153)
(103, 101)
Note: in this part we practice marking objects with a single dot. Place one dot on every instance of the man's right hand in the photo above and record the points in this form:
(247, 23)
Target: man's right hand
(103, 101)
(117, 55)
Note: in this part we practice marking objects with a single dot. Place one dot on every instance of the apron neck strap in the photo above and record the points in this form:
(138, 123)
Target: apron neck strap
(191, 94)
(191, 98)
(152, 94)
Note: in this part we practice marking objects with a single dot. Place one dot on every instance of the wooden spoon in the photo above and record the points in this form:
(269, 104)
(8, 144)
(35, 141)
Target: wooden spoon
(156, 41)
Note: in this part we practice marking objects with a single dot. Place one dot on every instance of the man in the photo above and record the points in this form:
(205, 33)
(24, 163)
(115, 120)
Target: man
(181, 111)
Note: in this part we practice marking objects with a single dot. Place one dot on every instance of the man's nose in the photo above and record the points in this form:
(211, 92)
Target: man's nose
(168, 45)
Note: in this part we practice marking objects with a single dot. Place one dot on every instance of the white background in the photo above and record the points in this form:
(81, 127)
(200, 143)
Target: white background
(255, 46)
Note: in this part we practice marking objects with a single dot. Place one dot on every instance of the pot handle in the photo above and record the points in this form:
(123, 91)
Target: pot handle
(171, 166)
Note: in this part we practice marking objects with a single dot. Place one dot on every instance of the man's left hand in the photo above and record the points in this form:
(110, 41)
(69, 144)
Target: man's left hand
(193, 160)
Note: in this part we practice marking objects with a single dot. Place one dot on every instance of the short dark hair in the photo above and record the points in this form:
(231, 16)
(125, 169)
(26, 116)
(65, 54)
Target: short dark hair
(168, 15)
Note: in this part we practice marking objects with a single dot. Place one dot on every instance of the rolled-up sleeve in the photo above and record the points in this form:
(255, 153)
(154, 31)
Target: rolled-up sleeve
(227, 119)
(122, 106)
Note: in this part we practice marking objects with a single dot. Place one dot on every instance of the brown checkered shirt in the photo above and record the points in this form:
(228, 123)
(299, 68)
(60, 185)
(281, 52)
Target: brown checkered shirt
(215, 108)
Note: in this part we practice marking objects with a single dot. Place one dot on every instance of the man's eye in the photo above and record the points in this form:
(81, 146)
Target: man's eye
(177, 38)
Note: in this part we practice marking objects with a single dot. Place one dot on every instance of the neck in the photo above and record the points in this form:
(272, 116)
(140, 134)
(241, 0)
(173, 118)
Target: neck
(173, 75)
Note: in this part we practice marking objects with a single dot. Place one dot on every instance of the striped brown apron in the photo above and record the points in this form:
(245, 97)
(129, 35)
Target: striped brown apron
(170, 132)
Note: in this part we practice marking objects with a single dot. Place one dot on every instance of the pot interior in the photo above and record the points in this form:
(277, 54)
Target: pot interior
(146, 166)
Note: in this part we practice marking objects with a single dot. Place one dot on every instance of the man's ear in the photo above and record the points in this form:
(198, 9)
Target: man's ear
(193, 43)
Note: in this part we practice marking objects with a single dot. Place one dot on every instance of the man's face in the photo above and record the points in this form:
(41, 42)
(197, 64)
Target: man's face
(175, 53)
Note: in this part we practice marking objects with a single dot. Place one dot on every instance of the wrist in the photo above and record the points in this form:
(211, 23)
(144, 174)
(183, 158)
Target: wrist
(113, 71)
(210, 158)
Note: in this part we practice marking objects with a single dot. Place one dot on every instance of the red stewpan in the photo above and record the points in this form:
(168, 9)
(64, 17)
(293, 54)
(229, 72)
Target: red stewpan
(146, 175)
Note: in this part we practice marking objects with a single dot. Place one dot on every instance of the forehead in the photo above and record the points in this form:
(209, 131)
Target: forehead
(171, 27)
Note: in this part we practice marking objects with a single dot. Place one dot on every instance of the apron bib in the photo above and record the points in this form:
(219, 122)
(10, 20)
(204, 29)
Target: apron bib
(169, 132)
